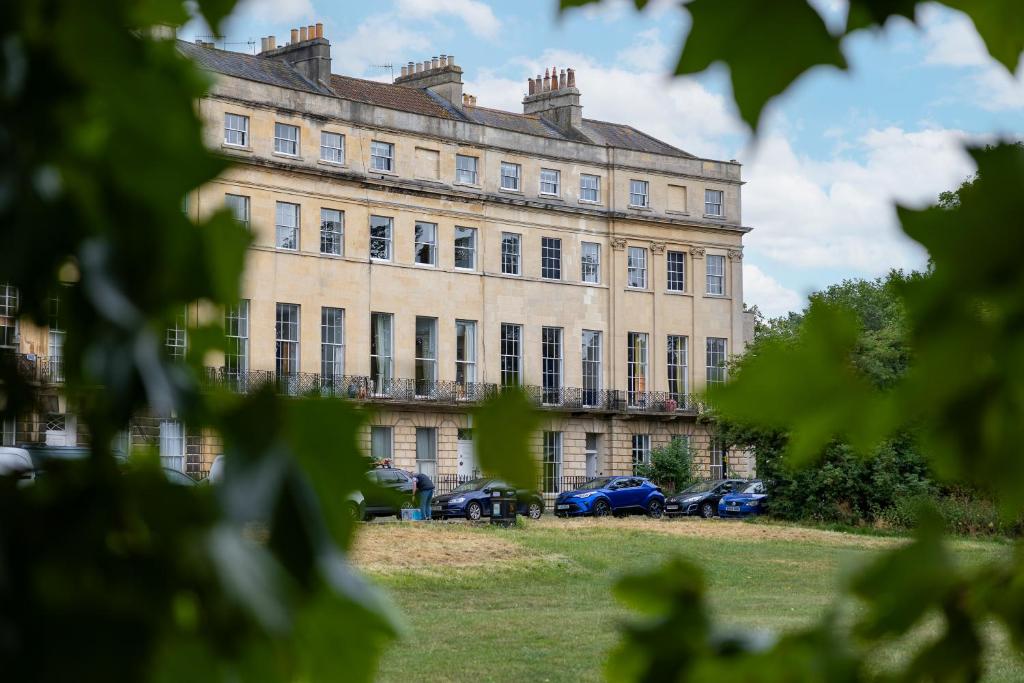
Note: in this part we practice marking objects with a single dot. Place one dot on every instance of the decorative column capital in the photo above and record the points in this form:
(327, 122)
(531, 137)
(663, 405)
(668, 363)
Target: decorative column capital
(735, 254)
(618, 243)
(697, 252)
(657, 247)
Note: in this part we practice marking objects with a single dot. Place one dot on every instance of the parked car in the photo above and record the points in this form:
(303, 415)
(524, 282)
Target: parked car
(356, 506)
(701, 498)
(16, 463)
(392, 486)
(472, 501)
(612, 495)
(745, 501)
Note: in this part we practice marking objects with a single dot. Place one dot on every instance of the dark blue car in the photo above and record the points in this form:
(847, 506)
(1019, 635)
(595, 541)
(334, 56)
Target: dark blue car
(472, 501)
(747, 500)
(612, 495)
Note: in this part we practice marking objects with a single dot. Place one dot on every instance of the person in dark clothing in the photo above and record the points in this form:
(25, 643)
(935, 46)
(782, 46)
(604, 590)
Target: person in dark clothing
(423, 489)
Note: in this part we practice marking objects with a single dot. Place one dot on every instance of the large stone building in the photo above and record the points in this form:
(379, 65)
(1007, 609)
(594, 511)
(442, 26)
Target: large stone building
(416, 252)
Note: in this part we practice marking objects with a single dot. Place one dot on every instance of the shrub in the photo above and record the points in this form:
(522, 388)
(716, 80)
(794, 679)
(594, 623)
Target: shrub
(671, 466)
(962, 513)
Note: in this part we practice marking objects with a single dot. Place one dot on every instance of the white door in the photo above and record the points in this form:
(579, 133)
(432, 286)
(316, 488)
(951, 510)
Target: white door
(467, 458)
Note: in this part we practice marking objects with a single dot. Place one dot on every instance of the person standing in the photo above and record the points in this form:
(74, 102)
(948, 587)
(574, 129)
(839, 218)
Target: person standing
(423, 490)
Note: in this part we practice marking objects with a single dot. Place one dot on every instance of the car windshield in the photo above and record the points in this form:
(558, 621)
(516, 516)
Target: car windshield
(754, 487)
(596, 484)
(701, 487)
(474, 485)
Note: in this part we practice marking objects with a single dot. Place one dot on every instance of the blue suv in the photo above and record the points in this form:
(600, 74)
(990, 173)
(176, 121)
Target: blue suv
(612, 495)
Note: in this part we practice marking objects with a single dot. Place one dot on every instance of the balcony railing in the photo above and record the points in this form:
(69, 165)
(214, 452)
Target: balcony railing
(40, 369)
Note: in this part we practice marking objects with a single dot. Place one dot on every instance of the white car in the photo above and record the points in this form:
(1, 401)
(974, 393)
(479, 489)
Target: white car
(16, 462)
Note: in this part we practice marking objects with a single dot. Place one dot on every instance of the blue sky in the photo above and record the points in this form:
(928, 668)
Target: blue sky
(832, 156)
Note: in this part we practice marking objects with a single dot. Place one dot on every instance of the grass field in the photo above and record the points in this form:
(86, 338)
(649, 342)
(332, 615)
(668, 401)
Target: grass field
(533, 603)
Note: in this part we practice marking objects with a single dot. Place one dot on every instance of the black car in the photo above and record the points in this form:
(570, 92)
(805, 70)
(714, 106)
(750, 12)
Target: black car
(701, 498)
(388, 480)
(472, 501)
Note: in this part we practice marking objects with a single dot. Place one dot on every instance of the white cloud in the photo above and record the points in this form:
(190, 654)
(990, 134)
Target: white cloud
(768, 293)
(272, 12)
(379, 39)
(477, 16)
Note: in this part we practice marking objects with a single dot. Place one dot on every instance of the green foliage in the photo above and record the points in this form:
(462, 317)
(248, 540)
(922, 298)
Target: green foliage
(504, 426)
(671, 466)
(962, 513)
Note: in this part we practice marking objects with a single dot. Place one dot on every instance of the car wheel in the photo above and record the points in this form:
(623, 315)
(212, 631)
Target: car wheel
(534, 510)
(353, 511)
(367, 517)
(474, 511)
(707, 511)
(602, 509)
(655, 509)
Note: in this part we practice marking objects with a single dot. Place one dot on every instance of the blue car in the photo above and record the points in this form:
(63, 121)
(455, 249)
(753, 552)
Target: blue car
(612, 495)
(472, 501)
(746, 501)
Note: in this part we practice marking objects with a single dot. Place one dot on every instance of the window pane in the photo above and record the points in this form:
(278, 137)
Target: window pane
(636, 266)
(287, 225)
(552, 462)
(465, 247)
(510, 253)
(509, 176)
(380, 350)
(550, 181)
(236, 329)
(286, 139)
(676, 264)
(678, 374)
(332, 231)
(590, 262)
(426, 355)
(511, 354)
(465, 169)
(551, 258)
(332, 344)
(380, 238)
(465, 351)
(715, 368)
(425, 243)
(551, 364)
(591, 355)
(715, 274)
(382, 156)
(332, 147)
(590, 188)
(380, 443)
(239, 207)
(287, 335)
(636, 368)
(236, 130)
(638, 193)
(8, 316)
(713, 202)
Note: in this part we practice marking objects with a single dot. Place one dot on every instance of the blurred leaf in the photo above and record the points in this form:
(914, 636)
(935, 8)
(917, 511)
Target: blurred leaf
(864, 13)
(568, 4)
(1000, 24)
(504, 425)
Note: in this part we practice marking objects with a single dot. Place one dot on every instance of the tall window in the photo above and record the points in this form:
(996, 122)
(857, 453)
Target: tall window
(511, 355)
(552, 462)
(718, 454)
(639, 193)
(641, 450)
(551, 258)
(590, 188)
(55, 341)
(380, 350)
(332, 345)
(8, 433)
(332, 147)
(236, 130)
(332, 232)
(426, 451)
(465, 169)
(715, 274)
(713, 202)
(676, 264)
(177, 341)
(636, 267)
(510, 174)
(380, 237)
(465, 352)
(8, 316)
(286, 355)
(236, 329)
(511, 253)
(678, 377)
(172, 445)
(590, 262)
(636, 368)
(715, 369)
(382, 156)
(286, 139)
(426, 355)
(239, 207)
(591, 368)
(591, 446)
(550, 181)
(425, 243)
(465, 248)
(551, 364)
(287, 221)
(380, 443)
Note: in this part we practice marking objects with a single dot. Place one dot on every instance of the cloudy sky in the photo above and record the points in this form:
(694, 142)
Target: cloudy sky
(834, 153)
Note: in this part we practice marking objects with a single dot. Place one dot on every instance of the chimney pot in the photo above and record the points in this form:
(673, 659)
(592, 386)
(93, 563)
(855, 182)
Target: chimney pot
(319, 30)
(263, 44)
(444, 61)
(434, 62)
(571, 78)
(530, 85)
(405, 71)
(419, 67)
(272, 42)
(561, 79)
(451, 60)
(295, 36)
(302, 34)
(310, 32)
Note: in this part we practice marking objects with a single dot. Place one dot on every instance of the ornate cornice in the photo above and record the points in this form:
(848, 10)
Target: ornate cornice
(697, 252)
(618, 243)
(735, 255)
(657, 247)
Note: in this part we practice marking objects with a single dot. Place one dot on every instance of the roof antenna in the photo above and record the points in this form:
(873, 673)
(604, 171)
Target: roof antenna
(223, 40)
(387, 65)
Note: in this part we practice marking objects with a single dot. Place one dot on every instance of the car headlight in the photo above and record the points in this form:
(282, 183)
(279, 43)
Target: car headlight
(588, 494)
(460, 499)
(691, 499)
(753, 503)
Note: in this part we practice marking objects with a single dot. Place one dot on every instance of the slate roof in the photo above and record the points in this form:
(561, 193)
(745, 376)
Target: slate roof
(417, 101)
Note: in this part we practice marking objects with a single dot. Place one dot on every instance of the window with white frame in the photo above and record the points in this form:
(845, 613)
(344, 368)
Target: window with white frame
(551, 364)
(678, 376)
(380, 237)
(56, 334)
(287, 226)
(426, 451)
(590, 188)
(465, 169)
(286, 139)
(715, 364)
(713, 202)
(172, 445)
(177, 336)
(465, 248)
(380, 350)
(61, 429)
(636, 268)
(332, 344)
(641, 450)
(236, 329)
(510, 175)
(590, 262)
(675, 280)
(426, 355)
(591, 355)
(8, 316)
(591, 451)
(715, 274)
(236, 130)
(717, 456)
(511, 355)
(332, 232)
(636, 368)
(465, 352)
(332, 147)
(551, 463)
(639, 193)
(8, 433)
(550, 181)
(551, 258)
(511, 253)
(238, 205)
(382, 156)
(286, 336)
(380, 442)
(425, 243)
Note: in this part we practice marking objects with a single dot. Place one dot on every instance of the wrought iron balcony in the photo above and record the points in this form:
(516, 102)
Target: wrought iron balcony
(40, 369)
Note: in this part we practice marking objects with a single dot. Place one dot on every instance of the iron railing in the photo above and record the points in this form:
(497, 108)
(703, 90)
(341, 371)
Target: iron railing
(40, 369)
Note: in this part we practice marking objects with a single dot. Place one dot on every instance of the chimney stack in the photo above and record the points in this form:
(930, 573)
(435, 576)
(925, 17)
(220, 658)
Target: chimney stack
(555, 98)
(309, 52)
(438, 74)
(319, 30)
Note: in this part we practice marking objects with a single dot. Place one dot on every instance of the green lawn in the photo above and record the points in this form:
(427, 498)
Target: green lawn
(544, 612)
